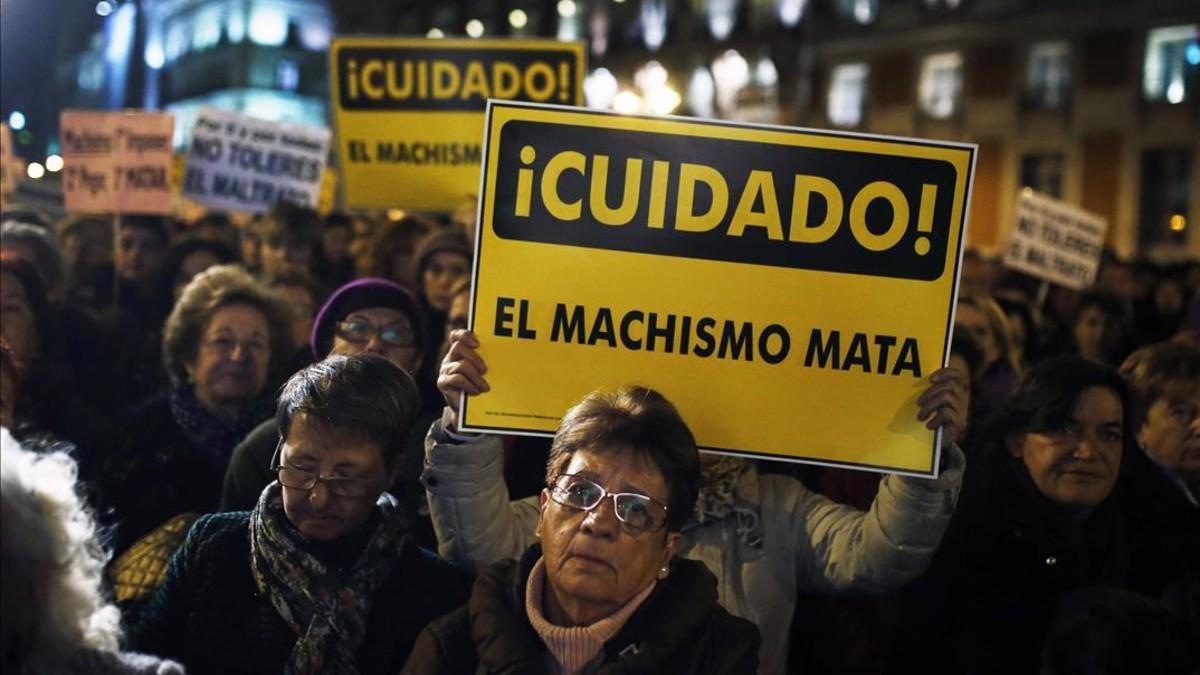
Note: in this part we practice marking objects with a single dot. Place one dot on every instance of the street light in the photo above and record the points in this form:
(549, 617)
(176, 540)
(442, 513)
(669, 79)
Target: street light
(517, 19)
(16, 120)
(566, 8)
(627, 103)
(475, 28)
(35, 171)
(435, 33)
(104, 8)
(663, 101)
(54, 163)
(600, 88)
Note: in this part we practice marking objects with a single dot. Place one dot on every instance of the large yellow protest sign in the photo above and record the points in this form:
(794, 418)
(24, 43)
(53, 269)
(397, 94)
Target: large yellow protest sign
(789, 290)
(409, 112)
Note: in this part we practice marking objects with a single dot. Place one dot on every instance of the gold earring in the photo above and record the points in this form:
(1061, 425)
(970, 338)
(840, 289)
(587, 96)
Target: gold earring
(663, 572)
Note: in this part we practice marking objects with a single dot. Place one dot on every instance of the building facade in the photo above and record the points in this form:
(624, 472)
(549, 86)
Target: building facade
(1095, 102)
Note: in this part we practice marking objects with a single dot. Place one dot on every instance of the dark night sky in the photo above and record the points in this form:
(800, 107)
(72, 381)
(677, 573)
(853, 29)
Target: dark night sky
(33, 37)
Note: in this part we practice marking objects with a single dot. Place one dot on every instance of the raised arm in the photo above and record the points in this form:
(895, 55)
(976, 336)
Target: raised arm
(474, 520)
(842, 548)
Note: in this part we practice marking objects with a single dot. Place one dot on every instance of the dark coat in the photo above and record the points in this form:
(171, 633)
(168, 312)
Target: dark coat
(679, 629)
(1164, 529)
(209, 616)
(991, 593)
(157, 474)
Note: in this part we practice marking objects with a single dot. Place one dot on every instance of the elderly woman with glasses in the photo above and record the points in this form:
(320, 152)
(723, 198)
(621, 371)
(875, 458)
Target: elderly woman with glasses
(367, 316)
(321, 576)
(766, 537)
(603, 590)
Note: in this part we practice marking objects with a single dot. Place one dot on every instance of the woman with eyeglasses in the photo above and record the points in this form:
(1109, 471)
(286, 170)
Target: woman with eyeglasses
(367, 316)
(603, 590)
(766, 537)
(226, 340)
(321, 576)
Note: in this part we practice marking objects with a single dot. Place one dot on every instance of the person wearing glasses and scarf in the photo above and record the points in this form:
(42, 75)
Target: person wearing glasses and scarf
(767, 538)
(603, 591)
(321, 576)
(371, 315)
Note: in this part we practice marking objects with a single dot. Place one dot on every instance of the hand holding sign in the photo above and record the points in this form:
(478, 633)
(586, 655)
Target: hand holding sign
(462, 371)
(945, 403)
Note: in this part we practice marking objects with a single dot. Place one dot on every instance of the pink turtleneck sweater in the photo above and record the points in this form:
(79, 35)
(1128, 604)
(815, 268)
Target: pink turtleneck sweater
(573, 647)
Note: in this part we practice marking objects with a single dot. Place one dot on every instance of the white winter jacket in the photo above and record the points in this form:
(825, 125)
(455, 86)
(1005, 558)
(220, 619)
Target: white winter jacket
(809, 543)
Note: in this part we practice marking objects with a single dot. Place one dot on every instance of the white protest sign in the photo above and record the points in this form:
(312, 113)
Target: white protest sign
(118, 162)
(238, 163)
(8, 176)
(1055, 241)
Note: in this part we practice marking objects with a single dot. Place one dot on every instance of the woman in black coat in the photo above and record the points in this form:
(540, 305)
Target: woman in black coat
(1041, 518)
(227, 340)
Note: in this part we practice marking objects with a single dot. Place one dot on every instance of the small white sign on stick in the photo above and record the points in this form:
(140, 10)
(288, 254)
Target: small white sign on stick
(239, 163)
(1055, 241)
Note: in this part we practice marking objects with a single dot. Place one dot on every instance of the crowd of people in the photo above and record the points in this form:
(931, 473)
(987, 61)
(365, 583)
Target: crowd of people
(233, 447)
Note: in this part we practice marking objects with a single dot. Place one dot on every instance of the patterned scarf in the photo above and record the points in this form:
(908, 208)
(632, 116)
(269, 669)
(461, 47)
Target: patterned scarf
(211, 434)
(730, 489)
(328, 613)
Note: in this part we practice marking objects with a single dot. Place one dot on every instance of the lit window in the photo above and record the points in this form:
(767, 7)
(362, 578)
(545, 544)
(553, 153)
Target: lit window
(652, 14)
(1048, 74)
(570, 21)
(91, 74)
(153, 54)
(790, 12)
(1043, 173)
(942, 5)
(722, 17)
(600, 88)
(1172, 57)
(1165, 194)
(701, 93)
(268, 26)
(287, 75)
(859, 11)
(847, 91)
(315, 35)
(176, 42)
(940, 89)
(206, 29)
(237, 26)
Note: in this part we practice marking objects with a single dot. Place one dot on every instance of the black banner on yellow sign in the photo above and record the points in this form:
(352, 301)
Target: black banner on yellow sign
(789, 290)
(409, 112)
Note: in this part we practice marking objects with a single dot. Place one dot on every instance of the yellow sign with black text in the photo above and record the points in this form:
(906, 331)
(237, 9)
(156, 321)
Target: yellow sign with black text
(409, 111)
(789, 290)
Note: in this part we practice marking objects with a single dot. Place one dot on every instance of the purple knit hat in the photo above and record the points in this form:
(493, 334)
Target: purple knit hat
(361, 294)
